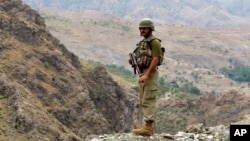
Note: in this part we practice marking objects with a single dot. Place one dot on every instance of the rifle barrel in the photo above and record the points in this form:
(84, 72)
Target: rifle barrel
(134, 64)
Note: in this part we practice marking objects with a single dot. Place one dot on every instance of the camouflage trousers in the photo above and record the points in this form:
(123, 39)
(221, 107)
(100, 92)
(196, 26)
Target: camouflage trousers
(148, 93)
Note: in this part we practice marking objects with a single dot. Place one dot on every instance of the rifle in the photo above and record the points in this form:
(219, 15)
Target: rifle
(134, 64)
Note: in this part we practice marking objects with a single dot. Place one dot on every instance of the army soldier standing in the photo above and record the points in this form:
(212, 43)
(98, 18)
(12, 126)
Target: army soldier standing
(147, 54)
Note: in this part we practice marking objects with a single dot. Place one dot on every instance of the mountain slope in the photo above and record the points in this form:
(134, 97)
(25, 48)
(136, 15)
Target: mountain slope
(162, 11)
(46, 93)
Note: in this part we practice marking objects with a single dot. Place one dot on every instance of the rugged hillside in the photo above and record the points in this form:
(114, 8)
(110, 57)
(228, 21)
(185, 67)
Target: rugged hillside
(206, 109)
(46, 94)
(193, 54)
(205, 13)
(101, 31)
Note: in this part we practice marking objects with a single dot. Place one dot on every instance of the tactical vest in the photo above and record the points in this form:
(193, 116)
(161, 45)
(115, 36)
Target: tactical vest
(143, 53)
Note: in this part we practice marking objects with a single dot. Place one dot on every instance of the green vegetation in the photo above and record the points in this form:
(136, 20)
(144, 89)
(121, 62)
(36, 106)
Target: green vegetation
(117, 70)
(185, 91)
(239, 73)
(56, 18)
(121, 71)
(46, 64)
(190, 88)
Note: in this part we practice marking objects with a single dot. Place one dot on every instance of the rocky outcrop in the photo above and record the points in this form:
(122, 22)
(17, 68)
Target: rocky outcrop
(25, 24)
(29, 116)
(112, 102)
(22, 22)
(49, 94)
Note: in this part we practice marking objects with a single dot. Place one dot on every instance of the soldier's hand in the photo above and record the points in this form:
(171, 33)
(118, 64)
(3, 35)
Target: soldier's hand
(142, 79)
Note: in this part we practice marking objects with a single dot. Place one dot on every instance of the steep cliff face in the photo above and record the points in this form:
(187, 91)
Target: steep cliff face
(111, 102)
(47, 93)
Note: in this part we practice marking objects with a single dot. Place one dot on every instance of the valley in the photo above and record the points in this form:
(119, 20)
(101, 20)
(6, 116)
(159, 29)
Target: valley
(192, 54)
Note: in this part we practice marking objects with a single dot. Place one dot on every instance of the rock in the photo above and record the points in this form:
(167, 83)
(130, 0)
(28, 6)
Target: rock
(216, 133)
(198, 128)
(168, 136)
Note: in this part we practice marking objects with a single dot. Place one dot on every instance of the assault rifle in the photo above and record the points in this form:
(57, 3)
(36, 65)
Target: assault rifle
(134, 64)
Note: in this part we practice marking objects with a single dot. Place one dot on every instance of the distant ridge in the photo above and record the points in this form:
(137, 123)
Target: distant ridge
(205, 13)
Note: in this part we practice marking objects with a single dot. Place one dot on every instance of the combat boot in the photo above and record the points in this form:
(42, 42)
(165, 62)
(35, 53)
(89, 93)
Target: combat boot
(147, 130)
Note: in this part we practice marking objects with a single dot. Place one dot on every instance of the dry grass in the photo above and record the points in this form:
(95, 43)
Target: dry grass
(7, 131)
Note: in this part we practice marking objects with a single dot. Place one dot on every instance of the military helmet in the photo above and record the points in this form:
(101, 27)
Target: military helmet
(147, 22)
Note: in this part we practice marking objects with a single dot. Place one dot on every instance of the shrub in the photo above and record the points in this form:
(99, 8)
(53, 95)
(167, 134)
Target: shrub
(239, 73)
(190, 88)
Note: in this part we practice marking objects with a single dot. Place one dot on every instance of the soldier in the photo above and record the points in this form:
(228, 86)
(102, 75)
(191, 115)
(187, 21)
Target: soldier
(147, 54)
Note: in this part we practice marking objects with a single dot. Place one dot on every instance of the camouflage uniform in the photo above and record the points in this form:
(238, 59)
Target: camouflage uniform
(146, 52)
(149, 89)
